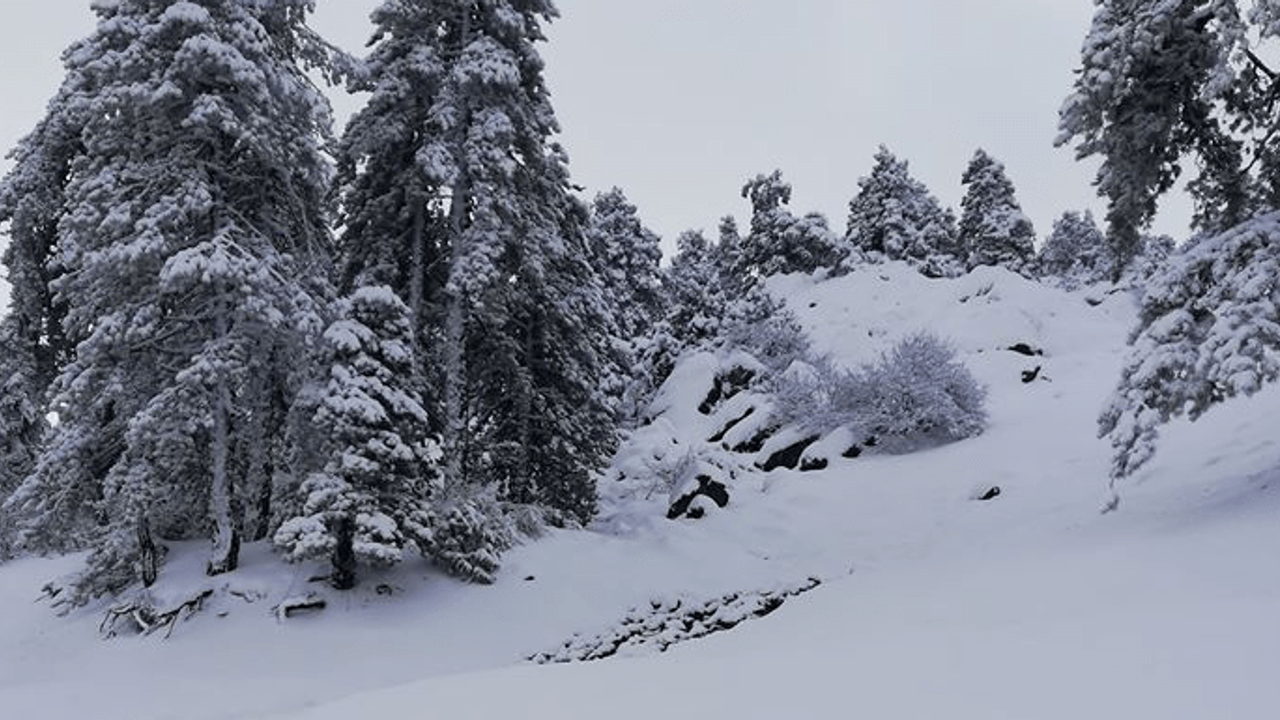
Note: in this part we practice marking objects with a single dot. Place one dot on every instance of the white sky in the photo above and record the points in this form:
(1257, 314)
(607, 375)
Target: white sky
(680, 101)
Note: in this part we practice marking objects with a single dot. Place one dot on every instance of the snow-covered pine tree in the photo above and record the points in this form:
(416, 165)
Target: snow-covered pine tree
(22, 422)
(1160, 81)
(33, 346)
(518, 370)
(992, 226)
(779, 242)
(626, 256)
(695, 290)
(1209, 330)
(31, 206)
(1075, 251)
(894, 217)
(725, 254)
(393, 208)
(373, 495)
(193, 246)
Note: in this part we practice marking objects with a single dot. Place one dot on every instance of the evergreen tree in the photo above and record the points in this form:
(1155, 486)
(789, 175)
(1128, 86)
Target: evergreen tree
(1209, 330)
(21, 422)
(695, 289)
(372, 495)
(779, 242)
(1161, 81)
(626, 257)
(894, 217)
(1075, 251)
(31, 206)
(192, 248)
(519, 367)
(392, 206)
(992, 226)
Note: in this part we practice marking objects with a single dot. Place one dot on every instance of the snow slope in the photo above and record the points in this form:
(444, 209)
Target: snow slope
(933, 604)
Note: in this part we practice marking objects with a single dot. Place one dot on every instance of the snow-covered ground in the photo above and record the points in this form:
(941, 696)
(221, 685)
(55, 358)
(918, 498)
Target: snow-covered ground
(932, 604)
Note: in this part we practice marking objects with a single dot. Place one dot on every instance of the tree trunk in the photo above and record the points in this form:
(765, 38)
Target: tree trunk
(455, 322)
(344, 556)
(530, 483)
(146, 551)
(417, 264)
(226, 540)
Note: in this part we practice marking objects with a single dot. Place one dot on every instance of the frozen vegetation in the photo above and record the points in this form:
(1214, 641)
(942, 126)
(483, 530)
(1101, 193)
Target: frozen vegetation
(396, 423)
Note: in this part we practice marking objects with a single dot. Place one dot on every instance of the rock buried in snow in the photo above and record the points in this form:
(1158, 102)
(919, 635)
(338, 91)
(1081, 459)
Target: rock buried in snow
(725, 386)
(289, 607)
(986, 492)
(1025, 349)
(714, 490)
(663, 623)
(789, 456)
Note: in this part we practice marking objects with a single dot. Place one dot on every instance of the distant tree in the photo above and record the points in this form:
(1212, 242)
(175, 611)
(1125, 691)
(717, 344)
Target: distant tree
(992, 225)
(779, 242)
(695, 290)
(1075, 251)
(725, 254)
(894, 217)
(373, 495)
(627, 257)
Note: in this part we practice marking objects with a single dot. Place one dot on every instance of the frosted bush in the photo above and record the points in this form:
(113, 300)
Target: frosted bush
(919, 394)
(916, 395)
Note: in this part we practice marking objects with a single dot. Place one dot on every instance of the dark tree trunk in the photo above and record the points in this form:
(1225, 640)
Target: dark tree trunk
(147, 552)
(344, 556)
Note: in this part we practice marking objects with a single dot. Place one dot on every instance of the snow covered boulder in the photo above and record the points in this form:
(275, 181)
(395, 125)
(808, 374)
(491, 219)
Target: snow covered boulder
(695, 498)
(785, 448)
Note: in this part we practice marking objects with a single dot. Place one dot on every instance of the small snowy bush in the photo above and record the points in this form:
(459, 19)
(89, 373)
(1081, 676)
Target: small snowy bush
(916, 395)
(919, 394)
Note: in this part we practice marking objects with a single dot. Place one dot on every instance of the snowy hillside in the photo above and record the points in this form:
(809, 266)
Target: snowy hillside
(928, 602)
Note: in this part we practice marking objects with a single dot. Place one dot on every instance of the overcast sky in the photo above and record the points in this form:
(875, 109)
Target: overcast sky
(680, 101)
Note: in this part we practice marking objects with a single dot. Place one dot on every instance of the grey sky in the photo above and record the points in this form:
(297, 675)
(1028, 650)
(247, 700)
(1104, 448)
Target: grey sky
(680, 101)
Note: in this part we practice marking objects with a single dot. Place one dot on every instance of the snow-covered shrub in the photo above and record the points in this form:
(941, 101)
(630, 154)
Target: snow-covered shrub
(919, 394)
(1209, 330)
(916, 395)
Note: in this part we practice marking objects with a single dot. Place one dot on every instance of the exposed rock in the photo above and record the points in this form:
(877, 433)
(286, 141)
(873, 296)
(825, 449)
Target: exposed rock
(715, 490)
(813, 464)
(662, 624)
(732, 423)
(789, 457)
(756, 442)
(726, 385)
(990, 493)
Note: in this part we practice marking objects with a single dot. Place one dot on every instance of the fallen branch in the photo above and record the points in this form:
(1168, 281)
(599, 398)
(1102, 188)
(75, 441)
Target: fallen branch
(146, 619)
